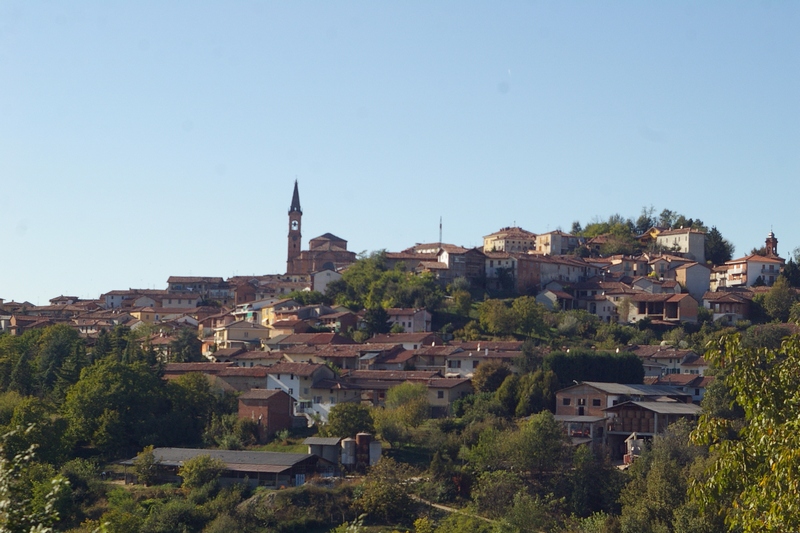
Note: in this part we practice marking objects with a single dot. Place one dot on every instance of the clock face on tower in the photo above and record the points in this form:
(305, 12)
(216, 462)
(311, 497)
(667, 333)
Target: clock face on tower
(294, 225)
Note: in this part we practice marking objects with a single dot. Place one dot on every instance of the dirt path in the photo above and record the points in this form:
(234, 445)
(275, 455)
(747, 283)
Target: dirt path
(452, 509)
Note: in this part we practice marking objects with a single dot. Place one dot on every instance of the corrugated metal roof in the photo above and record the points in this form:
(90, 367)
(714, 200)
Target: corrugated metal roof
(322, 441)
(662, 408)
(633, 390)
(177, 456)
(578, 418)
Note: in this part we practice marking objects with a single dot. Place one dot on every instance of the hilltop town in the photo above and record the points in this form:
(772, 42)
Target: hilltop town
(542, 381)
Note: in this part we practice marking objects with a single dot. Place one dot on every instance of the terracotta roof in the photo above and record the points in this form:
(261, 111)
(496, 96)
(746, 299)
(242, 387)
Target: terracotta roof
(756, 258)
(394, 375)
(328, 237)
(260, 394)
(401, 356)
(680, 231)
(316, 338)
(298, 369)
(240, 371)
(513, 231)
(194, 279)
(334, 384)
(403, 311)
(446, 383)
(491, 345)
(647, 297)
(206, 368)
(438, 350)
(403, 337)
(660, 352)
(409, 255)
(287, 323)
(433, 265)
(499, 255)
(257, 355)
(487, 354)
(228, 352)
(727, 297)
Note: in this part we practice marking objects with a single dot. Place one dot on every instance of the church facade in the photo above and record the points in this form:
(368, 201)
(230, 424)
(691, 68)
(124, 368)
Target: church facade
(326, 252)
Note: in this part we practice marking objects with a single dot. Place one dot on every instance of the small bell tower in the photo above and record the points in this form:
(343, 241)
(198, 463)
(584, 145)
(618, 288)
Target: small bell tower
(771, 245)
(294, 240)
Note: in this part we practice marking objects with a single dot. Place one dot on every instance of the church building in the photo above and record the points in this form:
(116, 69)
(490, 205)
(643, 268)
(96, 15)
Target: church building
(326, 252)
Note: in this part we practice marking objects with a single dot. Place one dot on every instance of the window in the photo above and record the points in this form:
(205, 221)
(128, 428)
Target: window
(595, 402)
(581, 401)
(697, 392)
(454, 364)
(440, 394)
(305, 390)
(317, 399)
(291, 392)
(565, 401)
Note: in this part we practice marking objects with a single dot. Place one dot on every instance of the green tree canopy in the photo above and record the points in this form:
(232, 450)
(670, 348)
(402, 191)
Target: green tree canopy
(410, 401)
(118, 406)
(347, 420)
(718, 249)
(755, 475)
(200, 470)
(582, 365)
(778, 301)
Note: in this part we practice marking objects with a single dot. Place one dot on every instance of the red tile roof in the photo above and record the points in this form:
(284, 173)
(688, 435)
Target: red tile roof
(298, 369)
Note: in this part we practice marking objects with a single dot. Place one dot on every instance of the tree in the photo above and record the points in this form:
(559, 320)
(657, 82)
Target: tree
(497, 318)
(506, 395)
(385, 494)
(489, 376)
(656, 498)
(410, 402)
(541, 446)
(376, 320)
(778, 301)
(347, 420)
(594, 483)
(582, 365)
(201, 470)
(667, 218)
(193, 403)
(753, 476)
(22, 376)
(528, 315)
(307, 297)
(27, 504)
(185, 347)
(718, 250)
(792, 273)
(494, 492)
(646, 220)
(117, 406)
(462, 302)
(56, 344)
(536, 392)
(144, 466)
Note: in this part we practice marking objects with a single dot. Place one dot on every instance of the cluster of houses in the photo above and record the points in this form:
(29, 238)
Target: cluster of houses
(291, 363)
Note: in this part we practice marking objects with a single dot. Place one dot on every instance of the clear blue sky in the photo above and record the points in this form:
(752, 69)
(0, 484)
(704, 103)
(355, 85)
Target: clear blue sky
(140, 140)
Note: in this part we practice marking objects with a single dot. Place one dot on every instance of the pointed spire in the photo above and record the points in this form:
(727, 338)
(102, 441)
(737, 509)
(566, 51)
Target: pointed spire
(295, 208)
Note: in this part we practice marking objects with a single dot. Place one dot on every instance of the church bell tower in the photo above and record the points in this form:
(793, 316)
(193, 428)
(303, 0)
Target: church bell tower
(771, 245)
(295, 220)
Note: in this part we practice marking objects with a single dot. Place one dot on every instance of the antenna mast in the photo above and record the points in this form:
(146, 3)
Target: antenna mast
(440, 230)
